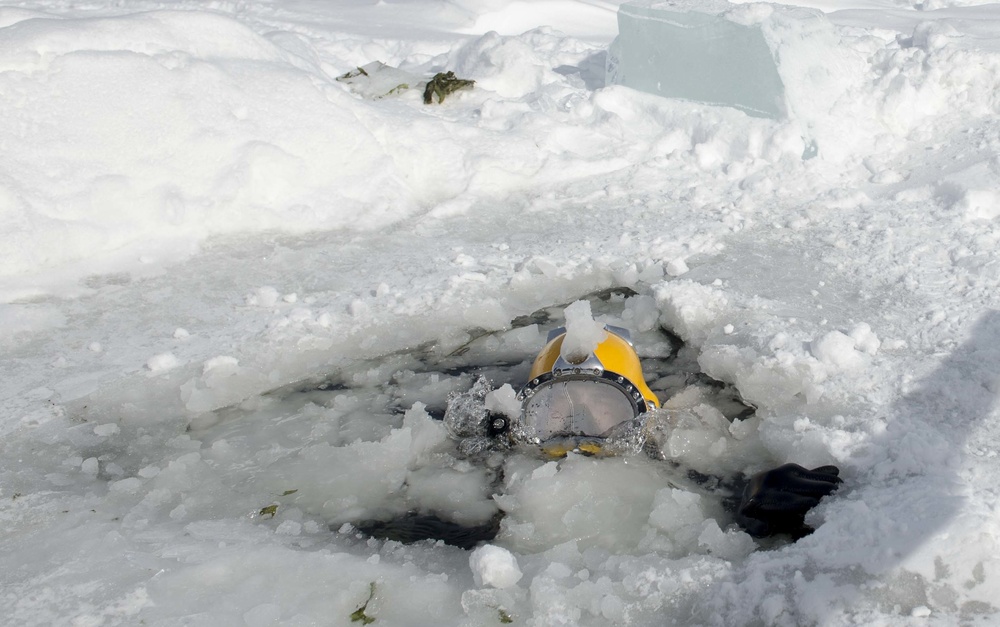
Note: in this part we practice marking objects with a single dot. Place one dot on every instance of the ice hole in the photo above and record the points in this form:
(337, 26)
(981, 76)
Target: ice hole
(369, 441)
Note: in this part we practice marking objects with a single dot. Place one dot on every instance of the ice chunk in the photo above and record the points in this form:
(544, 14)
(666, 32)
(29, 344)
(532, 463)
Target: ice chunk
(130, 485)
(691, 309)
(688, 49)
(289, 528)
(729, 545)
(162, 362)
(865, 339)
(221, 364)
(583, 333)
(503, 400)
(837, 350)
(90, 466)
(641, 313)
(106, 430)
(494, 566)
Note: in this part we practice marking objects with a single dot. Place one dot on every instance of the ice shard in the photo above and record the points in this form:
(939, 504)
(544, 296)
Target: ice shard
(688, 49)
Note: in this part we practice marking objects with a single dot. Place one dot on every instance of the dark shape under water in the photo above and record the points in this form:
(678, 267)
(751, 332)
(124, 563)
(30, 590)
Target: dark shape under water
(414, 526)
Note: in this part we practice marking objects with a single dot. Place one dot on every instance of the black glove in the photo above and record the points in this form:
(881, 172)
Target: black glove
(776, 501)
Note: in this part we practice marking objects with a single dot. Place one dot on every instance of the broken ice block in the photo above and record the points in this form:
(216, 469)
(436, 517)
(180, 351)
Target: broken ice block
(688, 49)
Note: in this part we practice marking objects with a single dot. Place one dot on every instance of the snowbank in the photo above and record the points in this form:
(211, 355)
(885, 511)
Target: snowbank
(113, 144)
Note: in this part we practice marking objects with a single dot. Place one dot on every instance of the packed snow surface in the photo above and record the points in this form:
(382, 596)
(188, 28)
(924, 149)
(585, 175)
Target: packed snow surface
(236, 296)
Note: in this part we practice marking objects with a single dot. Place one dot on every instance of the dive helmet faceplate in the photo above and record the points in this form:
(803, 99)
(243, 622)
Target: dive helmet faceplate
(587, 398)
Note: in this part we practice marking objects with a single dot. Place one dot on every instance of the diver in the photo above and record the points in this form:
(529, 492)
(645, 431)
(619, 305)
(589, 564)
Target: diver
(596, 401)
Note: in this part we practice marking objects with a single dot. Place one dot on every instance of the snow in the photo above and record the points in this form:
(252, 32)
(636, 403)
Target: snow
(235, 297)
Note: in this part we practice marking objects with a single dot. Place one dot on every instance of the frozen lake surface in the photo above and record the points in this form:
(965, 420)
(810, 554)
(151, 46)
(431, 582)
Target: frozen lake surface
(235, 297)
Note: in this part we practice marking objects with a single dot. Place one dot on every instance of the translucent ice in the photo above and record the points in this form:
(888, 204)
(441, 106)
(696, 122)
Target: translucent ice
(688, 49)
(583, 333)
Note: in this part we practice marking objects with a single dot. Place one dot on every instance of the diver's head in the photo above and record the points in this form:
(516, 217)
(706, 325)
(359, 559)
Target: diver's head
(573, 402)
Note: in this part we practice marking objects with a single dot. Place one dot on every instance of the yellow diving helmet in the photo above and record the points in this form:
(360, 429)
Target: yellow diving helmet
(575, 405)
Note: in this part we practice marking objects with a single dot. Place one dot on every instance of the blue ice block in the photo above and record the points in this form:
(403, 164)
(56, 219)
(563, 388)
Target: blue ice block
(688, 49)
